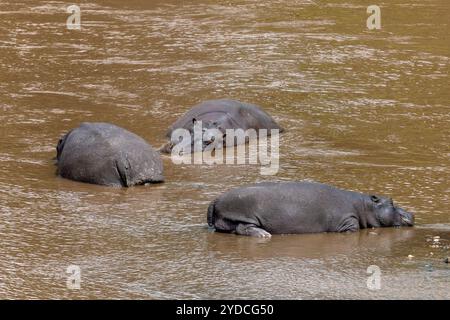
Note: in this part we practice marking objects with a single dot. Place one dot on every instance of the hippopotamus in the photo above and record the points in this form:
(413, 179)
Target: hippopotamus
(221, 115)
(105, 154)
(269, 208)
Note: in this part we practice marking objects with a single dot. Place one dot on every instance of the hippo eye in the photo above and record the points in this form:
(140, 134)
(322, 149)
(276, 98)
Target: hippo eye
(375, 199)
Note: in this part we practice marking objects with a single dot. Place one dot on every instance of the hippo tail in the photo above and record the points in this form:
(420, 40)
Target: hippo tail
(60, 146)
(211, 211)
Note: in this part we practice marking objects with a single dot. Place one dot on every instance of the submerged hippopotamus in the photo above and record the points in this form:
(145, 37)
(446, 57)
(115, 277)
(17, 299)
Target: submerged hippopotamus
(221, 115)
(102, 153)
(301, 207)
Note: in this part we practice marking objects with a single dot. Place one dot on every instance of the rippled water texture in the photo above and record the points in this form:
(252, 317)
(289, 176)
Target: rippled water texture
(363, 110)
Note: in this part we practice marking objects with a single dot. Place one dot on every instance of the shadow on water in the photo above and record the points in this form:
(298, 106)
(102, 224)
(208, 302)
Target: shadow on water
(314, 246)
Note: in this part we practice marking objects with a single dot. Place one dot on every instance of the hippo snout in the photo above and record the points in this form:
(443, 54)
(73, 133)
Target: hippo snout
(167, 148)
(407, 218)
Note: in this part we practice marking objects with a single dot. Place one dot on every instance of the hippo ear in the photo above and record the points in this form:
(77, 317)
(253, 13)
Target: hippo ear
(194, 121)
(375, 199)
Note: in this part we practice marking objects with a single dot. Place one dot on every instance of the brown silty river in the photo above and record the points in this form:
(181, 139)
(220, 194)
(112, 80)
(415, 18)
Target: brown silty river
(364, 110)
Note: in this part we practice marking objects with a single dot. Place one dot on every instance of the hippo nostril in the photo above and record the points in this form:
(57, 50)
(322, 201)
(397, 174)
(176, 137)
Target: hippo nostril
(406, 218)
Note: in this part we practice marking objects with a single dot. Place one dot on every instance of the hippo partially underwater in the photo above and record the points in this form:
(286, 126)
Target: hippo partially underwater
(102, 153)
(301, 207)
(219, 114)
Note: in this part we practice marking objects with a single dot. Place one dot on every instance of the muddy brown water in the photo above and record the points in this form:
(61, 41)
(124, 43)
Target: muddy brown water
(363, 110)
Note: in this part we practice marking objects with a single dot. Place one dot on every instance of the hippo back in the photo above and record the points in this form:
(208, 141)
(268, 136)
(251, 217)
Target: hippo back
(105, 154)
(232, 114)
(286, 207)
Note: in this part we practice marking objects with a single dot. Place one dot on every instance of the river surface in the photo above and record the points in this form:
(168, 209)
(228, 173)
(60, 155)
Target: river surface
(365, 110)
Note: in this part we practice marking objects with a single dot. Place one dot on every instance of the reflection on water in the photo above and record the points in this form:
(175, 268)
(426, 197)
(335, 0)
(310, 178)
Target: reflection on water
(363, 110)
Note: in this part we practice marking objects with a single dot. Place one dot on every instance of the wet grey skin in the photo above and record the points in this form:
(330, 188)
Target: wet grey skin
(301, 207)
(221, 114)
(105, 154)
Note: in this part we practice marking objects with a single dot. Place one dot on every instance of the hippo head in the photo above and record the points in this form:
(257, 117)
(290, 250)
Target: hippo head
(202, 134)
(211, 131)
(196, 138)
(383, 213)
